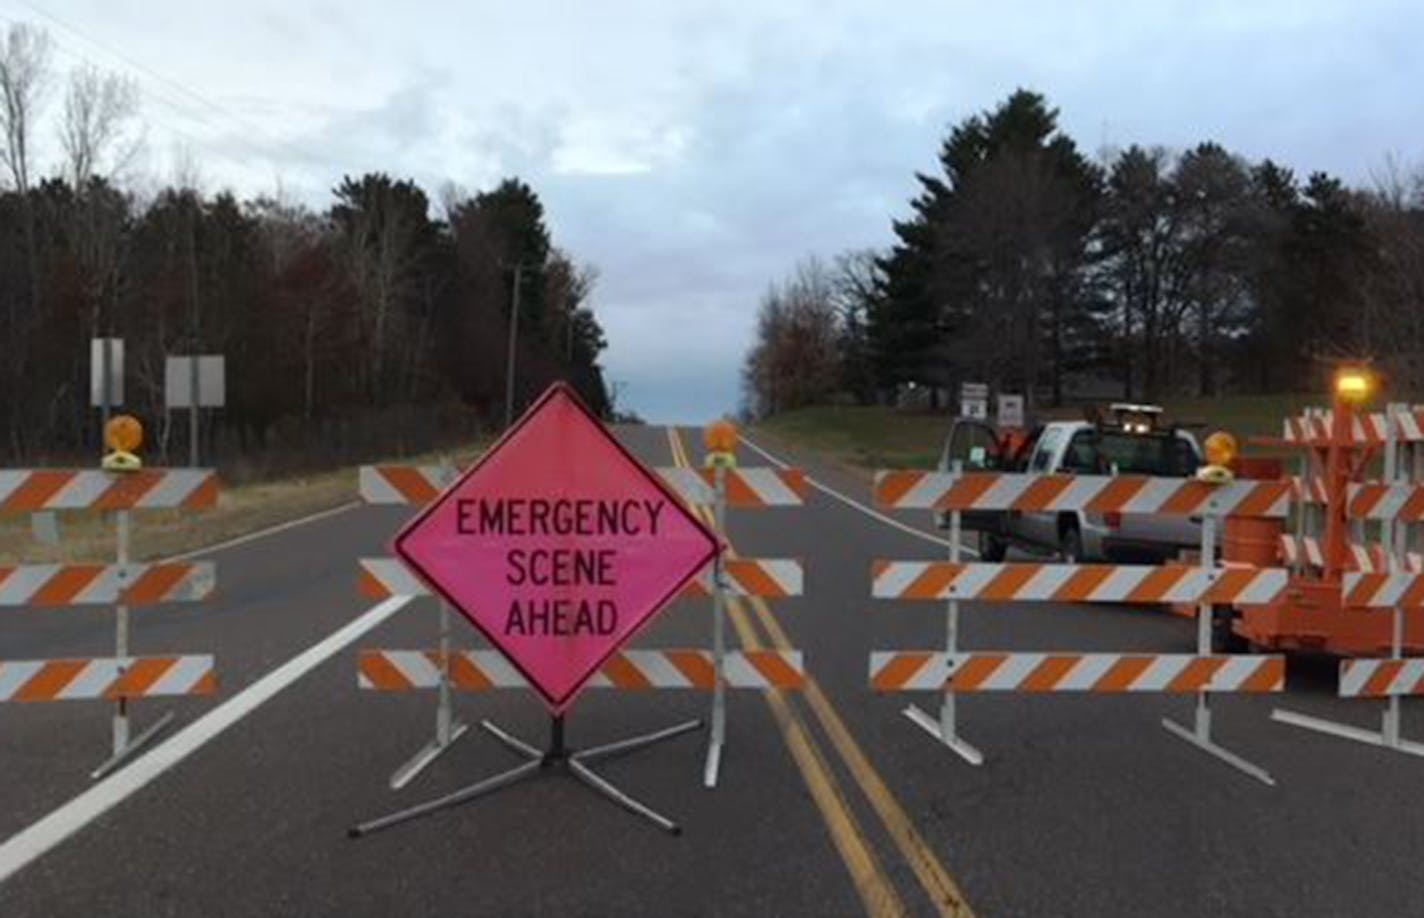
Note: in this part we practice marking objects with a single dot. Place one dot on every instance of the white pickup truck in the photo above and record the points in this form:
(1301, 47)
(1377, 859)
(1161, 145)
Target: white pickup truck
(1135, 446)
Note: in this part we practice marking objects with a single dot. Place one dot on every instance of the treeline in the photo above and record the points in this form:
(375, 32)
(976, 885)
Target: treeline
(1150, 273)
(372, 327)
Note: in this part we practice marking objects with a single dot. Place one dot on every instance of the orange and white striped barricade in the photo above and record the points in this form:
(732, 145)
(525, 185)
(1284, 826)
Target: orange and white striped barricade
(381, 578)
(629, 670)
(953, 672)
(768, 578)
(1396, 504)
(108, 678)
(123, 676)
(722, 486)
(1315, 425)
(1367, 559)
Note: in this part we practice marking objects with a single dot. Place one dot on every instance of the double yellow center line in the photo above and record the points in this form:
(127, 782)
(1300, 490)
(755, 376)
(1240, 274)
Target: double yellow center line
(867, 873)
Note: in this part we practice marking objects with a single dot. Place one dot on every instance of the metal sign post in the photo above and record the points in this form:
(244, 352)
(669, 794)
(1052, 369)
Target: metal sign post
(719, 640)
(945, 729)
(123, 746)
(447, 728)
(1393, 533)
(195, 382)
(1199, 734)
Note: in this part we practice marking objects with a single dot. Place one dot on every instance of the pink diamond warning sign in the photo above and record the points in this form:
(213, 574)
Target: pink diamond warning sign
(557, 545)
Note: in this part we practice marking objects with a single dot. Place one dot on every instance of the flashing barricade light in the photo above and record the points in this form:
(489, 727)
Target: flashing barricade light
(720, 440)
(1220, 450)
(123, 435)
(1354, 384)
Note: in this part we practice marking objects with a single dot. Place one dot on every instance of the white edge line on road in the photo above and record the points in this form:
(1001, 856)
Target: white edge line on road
(857, 505)
(263, 533)
(30, 843)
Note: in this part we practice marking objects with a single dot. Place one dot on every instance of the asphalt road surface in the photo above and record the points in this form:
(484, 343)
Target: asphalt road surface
(831, 802)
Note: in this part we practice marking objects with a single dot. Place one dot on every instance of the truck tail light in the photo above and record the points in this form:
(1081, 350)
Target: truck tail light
(1112, 520)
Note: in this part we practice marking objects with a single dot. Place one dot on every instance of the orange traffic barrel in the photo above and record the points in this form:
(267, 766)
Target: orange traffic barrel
(1249, 539)
(1252, 540)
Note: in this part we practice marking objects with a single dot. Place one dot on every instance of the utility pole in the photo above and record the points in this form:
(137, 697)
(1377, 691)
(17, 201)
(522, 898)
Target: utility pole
(513, 338)
(193, 383)
(616, 385)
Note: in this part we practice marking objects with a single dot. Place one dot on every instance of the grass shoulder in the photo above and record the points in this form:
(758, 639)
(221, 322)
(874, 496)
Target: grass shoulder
(871, 437)
(242, 509)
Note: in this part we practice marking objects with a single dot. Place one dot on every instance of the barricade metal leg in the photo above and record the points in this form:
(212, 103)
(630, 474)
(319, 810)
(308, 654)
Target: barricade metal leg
(1199, 734)
(125, 745)
(557, 757)
(447, 728)
(718, 734)
(945, 728)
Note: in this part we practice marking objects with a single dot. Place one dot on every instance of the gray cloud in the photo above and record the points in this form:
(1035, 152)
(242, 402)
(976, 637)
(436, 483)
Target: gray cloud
(693, 151)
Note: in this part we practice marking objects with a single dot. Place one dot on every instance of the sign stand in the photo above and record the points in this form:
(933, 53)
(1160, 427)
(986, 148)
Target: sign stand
(123, 745)
(557, 757)
(447, 728)
(944, 729)
(1199, 734)
(719, 642)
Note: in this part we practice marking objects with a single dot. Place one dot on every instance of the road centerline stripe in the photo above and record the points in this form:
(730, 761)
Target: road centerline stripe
(941, 888)
(867, 874)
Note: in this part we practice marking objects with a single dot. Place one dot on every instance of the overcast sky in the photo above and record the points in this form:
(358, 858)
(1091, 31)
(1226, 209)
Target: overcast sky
(694, 151)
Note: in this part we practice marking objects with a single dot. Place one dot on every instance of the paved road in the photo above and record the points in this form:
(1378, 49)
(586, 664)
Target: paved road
(831, 803)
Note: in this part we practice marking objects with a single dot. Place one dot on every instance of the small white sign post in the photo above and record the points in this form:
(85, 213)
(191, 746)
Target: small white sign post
(974, 400)
(1011, 411)
(106, 373)
(106, 392)
(194, 383)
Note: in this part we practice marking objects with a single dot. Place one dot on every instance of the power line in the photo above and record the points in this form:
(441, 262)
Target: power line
(246, 125)
(177, 108)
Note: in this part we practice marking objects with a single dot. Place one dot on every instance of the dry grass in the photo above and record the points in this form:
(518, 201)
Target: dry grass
(163, 533)
(876, 437)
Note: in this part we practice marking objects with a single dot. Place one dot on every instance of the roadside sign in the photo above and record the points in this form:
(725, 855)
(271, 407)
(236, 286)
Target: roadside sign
(115, 347)
(557, 545)
(1011, 411)
(974, 400)
(178, 381)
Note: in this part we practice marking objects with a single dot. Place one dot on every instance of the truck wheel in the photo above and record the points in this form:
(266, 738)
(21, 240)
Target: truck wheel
(1070, 544)
(991, 547)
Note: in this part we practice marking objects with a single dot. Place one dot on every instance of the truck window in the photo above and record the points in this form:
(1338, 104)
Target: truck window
(973, 444)
(1081, 456)
(1136, 454)
(1047, 446)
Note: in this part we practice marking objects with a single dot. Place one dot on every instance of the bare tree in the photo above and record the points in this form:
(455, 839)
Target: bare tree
(24, 64)
(98, 109)
(24, 69)
(795, 361)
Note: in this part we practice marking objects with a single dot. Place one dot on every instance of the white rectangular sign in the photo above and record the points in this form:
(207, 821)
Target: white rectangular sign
(96, 371)
(178, 382)
(1011, 411)
(974, 400)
